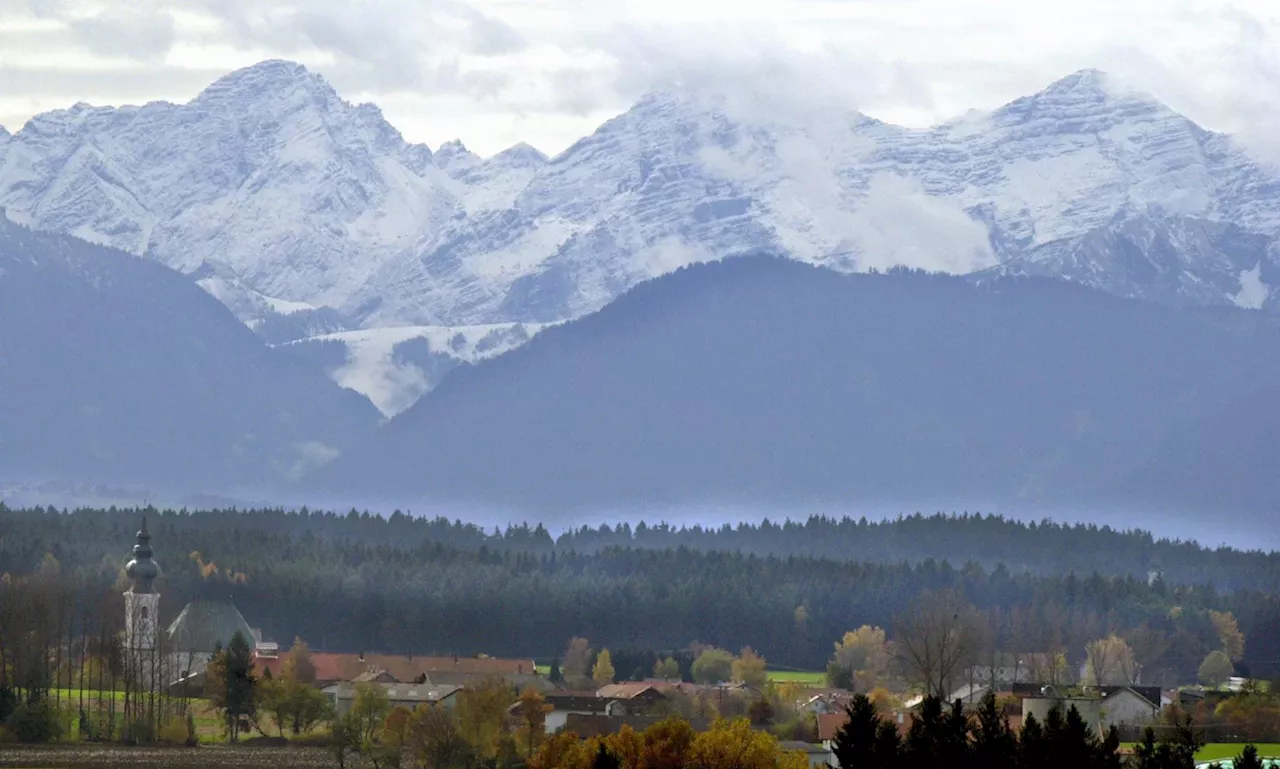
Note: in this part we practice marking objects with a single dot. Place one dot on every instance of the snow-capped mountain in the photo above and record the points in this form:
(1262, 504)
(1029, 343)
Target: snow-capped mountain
(309, 215)
(267, 171)
(682, 178)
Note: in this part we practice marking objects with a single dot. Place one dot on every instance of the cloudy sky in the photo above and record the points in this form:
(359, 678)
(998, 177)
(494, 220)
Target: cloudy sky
(494, 72)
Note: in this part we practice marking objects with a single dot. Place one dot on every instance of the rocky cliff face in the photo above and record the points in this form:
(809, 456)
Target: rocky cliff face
(1162, 258)
(267, 171)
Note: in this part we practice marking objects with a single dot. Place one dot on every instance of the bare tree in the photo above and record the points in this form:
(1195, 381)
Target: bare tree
(1110, 662)
(936, 637)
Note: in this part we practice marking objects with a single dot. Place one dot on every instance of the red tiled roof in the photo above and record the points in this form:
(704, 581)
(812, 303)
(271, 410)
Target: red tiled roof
(829, 724)
(347, 667)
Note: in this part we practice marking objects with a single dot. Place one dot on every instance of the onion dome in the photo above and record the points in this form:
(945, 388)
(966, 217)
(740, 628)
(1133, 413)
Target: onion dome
(141, 569)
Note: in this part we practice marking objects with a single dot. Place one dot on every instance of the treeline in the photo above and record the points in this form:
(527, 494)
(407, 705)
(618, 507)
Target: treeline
(342, 593)
(986, 540)
(952, 737)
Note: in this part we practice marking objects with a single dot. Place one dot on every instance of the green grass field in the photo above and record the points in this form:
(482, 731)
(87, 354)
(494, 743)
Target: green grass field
(806, 677)
(1220, 750)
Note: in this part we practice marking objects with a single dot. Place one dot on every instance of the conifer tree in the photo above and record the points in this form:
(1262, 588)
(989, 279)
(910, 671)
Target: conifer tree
(1033, 749)
(1248, 759)
(864, 742)
(994, 744)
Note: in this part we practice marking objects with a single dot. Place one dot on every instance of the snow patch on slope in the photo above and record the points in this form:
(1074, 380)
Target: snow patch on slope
(1253, 292)
(392, 382)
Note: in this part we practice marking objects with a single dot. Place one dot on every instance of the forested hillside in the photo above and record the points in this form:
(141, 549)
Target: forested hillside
(987, 540)
(117, 370)
(344, 587)
(763, 384)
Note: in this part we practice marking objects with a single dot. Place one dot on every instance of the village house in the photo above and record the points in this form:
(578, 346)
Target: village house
(1130, 706)
(563, 706)
(634, 698)
(970, 695)
(398, 694)
(1124, 707)
(819, 756)
(333, 668)
(825, 701)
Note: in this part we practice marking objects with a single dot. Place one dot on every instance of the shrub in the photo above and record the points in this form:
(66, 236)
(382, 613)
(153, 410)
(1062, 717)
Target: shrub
(312, 740)
(34, 723)
(174, 733)
(8, 701)
(141, 732)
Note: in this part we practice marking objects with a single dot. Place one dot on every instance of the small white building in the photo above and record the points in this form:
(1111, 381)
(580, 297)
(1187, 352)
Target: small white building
(820, 756)
(1127, 707)
(561, 706)
(1089, 708)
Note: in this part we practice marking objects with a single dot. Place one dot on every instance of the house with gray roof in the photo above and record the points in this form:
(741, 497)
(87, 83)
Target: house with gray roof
(410, 696)
(200, 629)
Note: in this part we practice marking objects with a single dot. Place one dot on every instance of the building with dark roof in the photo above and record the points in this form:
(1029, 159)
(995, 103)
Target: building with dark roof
(333, 668)
(204, 626)
(409, 695)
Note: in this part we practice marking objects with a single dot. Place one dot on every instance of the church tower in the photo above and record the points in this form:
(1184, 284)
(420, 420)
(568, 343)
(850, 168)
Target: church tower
(141, 601)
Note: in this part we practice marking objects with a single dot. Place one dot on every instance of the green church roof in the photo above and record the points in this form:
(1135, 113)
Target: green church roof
(203, 625)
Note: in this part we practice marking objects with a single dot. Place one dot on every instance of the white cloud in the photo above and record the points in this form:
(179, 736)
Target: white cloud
(1253, 292)
(899, 224)
(493, 71)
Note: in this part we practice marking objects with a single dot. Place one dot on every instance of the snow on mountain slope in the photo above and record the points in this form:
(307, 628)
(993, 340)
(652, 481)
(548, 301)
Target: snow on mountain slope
(267, 171)
(1071, 157)
(488, 183)
(682, 178)
(303, 198)
(1168, 259)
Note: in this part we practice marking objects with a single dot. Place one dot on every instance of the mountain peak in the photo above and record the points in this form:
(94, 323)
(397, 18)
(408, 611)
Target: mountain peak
(266, 79)
(1090, 95)
(1082, 80)
(525, 153)
(453, 147)
(1093, 86)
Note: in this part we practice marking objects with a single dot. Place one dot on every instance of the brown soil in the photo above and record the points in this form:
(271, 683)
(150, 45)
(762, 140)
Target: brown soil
(120, 757)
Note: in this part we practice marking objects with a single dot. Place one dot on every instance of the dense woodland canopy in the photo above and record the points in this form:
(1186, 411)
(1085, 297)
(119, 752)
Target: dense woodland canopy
(361, 582)
(764, 383)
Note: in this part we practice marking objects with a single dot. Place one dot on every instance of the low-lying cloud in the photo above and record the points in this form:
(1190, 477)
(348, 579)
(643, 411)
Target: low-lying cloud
(899, 224)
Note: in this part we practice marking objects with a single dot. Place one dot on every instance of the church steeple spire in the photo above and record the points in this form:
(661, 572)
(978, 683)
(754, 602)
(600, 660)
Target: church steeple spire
(142, 571)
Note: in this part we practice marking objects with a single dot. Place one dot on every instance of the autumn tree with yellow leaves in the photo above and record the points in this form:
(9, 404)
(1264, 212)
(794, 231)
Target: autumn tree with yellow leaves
(672, 744)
